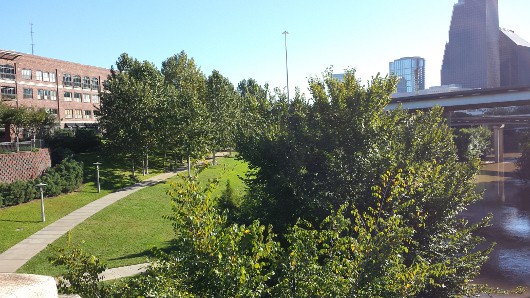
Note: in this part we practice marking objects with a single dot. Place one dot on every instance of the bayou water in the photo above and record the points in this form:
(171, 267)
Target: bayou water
(508, 200)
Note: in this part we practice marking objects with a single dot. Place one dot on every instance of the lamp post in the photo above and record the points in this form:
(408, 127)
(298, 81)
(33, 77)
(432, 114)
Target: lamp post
(40, 185)
(286, 68)
(97, 175)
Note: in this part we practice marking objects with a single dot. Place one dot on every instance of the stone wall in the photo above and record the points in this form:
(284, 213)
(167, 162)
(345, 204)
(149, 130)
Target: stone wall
(23, 165)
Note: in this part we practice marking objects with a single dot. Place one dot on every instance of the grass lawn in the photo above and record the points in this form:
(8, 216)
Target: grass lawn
(21, 221)
(124, 233)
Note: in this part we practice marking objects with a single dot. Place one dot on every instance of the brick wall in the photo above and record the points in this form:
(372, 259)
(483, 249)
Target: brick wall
(23, 165)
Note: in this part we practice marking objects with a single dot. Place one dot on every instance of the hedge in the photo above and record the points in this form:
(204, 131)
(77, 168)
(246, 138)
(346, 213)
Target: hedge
(62, 178)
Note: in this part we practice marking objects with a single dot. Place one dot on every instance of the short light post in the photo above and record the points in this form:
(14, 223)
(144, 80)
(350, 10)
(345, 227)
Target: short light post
(40, 185)
(97, 175)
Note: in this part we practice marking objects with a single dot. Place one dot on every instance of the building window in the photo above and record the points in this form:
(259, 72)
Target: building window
(78, 114)
(52, 77)
(51, 111)
(77, 81)
(8, 92)
(26, 74)
(86, 97)
(95, 98)
(86, 83)
(38, 75)
(46, 76)
(47, 94)
(77, 97)
(67, 96)
(53, 95)
(28, 93)
(68, 113)
(88, 114)
(40, 94)
(67, 80)
(7, 72)
(95, 84)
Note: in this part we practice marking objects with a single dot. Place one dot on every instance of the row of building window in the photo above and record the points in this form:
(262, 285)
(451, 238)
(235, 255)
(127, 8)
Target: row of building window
(52, 95)
(78, 97)
(7, 72)
(77, 114)
(8, 92)
(76, 81)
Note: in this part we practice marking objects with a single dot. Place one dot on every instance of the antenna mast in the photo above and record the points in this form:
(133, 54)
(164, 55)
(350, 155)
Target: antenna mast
(31, 32)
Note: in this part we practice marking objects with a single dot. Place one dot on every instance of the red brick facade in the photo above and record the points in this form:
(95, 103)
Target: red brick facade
(29, 80)
(24, 165)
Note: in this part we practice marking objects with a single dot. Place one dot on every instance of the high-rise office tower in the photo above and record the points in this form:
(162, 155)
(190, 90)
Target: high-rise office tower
(411, 73)
(471, 57)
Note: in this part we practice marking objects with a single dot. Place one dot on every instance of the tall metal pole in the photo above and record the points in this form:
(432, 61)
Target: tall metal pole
(286, 68)
(40, 185)
(97, 175)
(31, 32)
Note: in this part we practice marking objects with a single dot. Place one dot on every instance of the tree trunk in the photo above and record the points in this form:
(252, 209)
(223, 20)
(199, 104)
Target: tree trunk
(133, 168)
(213, 157)
(147, 164)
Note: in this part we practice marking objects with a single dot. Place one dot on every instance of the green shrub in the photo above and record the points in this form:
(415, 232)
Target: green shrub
(63, 178)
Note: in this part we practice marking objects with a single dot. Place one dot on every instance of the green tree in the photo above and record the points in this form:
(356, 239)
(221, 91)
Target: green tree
(18, 119)
(128, 114)
(472, 143)
(185, 113)
(40, 122)
(222, 104)
(337, 149)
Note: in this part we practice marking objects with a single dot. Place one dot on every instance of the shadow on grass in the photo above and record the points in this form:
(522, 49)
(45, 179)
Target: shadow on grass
(149, 253)
(21, 221)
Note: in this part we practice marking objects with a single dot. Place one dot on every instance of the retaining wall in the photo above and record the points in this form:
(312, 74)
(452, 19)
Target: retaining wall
(23, 165)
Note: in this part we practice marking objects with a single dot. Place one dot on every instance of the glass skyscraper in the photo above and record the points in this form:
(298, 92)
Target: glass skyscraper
(471, 57)
(411, 73)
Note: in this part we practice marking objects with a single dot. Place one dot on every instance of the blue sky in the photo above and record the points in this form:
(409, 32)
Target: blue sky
(243, 38)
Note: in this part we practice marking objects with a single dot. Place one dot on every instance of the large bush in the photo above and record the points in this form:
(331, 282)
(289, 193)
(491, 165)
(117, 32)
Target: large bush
(64, 142)
(473, 142)
(63, 178)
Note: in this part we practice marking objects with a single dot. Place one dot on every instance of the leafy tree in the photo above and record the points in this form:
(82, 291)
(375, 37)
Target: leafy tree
(222, 103)
(128, 114)
(473, 142)
(338, 147)
(185, 116)
(39, 122)
(18, 119)
(523, 162)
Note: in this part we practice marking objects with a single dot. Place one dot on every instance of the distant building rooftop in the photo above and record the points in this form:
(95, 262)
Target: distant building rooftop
(515, 38)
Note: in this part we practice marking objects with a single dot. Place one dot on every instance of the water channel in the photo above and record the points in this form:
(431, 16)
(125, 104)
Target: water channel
(509, 201)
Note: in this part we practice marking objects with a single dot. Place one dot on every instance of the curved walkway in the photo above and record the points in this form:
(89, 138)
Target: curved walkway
(16, 256)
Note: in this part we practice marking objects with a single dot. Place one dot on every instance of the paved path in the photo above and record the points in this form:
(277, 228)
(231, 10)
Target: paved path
(12, 259)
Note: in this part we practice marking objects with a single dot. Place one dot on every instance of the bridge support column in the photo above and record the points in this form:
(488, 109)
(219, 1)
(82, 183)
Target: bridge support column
(498, 142)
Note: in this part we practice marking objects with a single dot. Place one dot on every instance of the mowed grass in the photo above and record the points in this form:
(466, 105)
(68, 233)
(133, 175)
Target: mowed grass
(125, 232)
(19, 222)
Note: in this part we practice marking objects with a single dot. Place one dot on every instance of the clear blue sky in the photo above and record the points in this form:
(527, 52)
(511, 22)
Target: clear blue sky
(243, 38)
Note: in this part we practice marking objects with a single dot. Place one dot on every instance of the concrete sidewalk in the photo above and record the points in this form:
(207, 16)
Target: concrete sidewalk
(12, 259)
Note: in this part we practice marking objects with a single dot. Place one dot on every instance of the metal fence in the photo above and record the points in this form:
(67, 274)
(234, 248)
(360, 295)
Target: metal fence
(9, 147)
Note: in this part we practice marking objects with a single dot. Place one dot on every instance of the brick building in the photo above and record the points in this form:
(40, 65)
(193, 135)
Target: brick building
(69, 90)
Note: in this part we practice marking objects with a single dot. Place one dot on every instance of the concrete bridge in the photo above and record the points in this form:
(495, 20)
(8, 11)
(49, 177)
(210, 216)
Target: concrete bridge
(474, 99)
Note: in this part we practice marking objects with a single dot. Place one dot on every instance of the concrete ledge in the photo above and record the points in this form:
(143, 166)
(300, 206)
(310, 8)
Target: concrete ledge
(27, 285)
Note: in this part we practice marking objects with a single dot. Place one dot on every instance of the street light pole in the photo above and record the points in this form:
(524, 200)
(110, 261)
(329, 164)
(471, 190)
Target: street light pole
(97, 175)
(40, 185)
(286, 68)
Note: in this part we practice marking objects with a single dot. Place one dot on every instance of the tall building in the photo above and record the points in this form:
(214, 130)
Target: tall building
(66, 89)
(411, 73)
(514, 58)
(471, 57)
